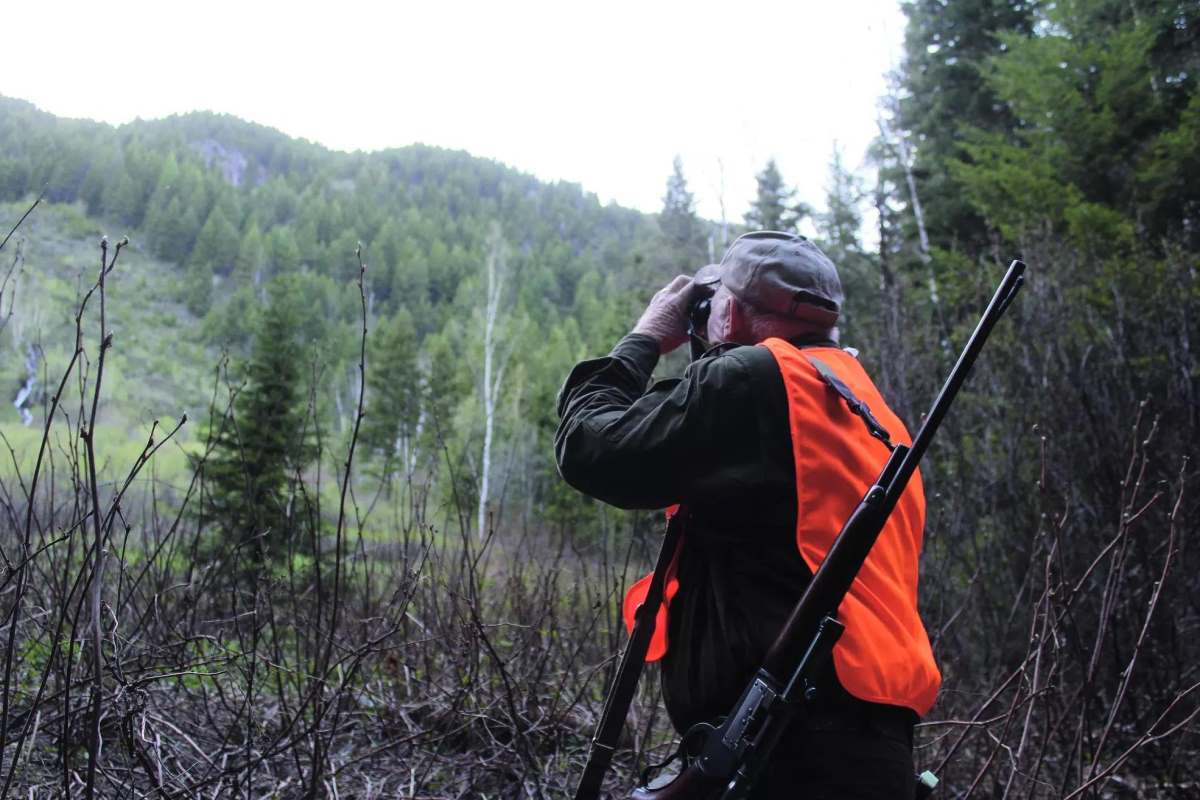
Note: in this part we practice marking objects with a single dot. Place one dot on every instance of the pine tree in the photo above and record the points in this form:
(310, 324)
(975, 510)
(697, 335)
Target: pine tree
(948, 47)
(216, 246)
(283, 253)
(102, 173)
(840, 228)
(197, 287)
(841, 222)
(262, 445)
(173, 230)
(159, 213)
(14, 178)
(342, 263)
(445, 383)
(122, 199)
(1107, 107)
(386, 247)
(410, 282)
(682, 229)
(393, 390)
(311, 249)
(251, 258)
(774, 208)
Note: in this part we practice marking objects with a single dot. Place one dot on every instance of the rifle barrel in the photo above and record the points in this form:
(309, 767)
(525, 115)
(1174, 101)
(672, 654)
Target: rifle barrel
(1014, 279)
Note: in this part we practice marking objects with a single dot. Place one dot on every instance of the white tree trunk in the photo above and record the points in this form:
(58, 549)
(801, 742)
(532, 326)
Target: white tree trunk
(895, 138)
(918, 213)
(491, 384)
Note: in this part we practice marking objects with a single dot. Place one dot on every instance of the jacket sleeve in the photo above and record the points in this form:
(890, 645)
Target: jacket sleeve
(637, 447)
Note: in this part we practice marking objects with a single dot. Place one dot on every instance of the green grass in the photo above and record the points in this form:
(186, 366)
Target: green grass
(117, 450)
(154, 369)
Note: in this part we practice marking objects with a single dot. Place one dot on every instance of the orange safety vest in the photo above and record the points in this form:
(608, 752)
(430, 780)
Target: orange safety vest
(884, 656)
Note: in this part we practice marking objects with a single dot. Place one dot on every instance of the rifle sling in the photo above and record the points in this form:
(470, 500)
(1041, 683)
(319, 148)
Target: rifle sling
(857, 407)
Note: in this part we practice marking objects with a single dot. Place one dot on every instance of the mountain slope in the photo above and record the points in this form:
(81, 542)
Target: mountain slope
(216, 208)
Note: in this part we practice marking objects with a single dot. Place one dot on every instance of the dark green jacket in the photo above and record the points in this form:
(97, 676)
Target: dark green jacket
(716, 440)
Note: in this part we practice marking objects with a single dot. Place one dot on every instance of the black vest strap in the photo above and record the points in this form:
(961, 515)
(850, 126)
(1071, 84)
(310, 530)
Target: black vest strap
(857, 406)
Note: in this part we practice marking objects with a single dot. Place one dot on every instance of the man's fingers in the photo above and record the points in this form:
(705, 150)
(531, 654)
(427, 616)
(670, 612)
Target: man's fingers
(698, 291)
(680, 283)
(665, 318)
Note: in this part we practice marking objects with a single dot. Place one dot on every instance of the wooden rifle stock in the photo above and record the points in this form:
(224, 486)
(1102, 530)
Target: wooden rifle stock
(735, 753)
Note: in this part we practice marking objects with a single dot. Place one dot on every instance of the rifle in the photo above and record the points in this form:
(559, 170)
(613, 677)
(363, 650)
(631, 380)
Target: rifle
(735, 753)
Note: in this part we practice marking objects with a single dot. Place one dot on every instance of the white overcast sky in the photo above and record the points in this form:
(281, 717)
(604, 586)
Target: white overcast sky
(602, 94)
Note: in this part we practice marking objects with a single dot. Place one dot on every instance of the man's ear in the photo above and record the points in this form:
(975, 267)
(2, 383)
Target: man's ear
(736, 323)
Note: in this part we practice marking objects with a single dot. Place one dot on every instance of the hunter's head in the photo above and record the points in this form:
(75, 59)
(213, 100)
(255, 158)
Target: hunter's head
(771, 284)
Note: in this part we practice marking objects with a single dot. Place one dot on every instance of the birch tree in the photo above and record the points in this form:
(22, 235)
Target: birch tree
(495, 268)
(896, 139)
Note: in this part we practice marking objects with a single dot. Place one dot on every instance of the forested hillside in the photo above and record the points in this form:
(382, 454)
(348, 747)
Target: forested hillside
(381, 580)
(223, 215)
(226, 218)
(229, 207)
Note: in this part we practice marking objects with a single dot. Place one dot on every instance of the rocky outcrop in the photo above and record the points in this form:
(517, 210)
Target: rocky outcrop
(231, 162)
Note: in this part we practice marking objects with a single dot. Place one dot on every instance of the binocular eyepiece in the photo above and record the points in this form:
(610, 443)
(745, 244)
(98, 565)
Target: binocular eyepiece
(698, 313)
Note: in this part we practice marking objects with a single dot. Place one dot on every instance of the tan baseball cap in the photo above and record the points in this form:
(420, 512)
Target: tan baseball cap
(781, 273)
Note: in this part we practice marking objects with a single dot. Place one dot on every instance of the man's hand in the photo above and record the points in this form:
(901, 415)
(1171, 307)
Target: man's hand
(666, 318)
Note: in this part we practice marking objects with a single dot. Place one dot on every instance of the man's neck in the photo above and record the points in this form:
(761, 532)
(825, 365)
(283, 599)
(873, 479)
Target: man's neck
(812, 340)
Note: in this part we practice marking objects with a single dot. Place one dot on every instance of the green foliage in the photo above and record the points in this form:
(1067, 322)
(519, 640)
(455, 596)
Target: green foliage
(1096, 120)
(947, 47)
(197, 287)
(774, 207)
(839, 228)
(284, 252)
(218, 209)
(261, 448)
(683, 232)
(394, 388)
(217, 244)
(1065, 134)
(1014, 192)
(251, 258)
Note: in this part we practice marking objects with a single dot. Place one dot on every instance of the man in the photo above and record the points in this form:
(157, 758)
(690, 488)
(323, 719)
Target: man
(767, 460)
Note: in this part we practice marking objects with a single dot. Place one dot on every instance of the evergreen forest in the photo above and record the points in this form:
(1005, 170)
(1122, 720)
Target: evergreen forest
(279, 512)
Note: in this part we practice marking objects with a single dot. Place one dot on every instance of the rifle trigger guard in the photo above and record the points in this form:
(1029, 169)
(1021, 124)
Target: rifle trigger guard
(683, 753)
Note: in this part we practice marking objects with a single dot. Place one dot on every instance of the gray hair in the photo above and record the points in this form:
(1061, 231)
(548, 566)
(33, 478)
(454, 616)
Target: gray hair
(764, 325)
